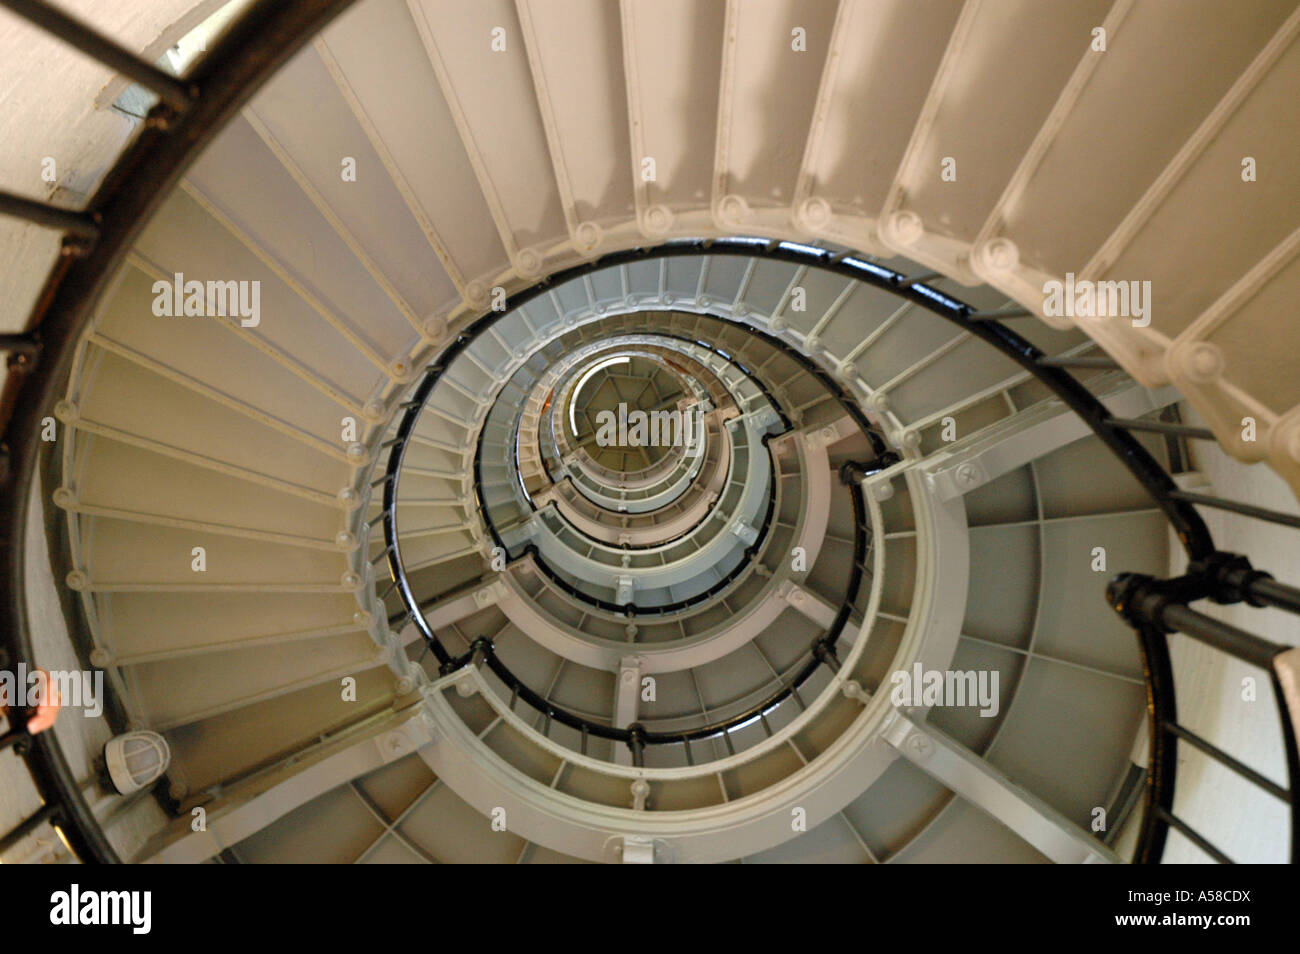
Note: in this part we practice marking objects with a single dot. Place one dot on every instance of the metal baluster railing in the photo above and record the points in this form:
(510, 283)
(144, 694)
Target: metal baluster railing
(191, 111)
(95, 242)
(1157, 608)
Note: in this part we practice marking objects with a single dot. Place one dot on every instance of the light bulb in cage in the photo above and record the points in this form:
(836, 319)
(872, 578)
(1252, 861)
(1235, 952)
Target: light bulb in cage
(136, 760)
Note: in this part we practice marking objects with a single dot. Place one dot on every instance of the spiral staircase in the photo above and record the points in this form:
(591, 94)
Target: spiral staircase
(365, 560)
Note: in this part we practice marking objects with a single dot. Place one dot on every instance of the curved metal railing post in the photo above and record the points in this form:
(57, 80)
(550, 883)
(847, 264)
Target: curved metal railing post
(194, 108)
(1156, 608)
(1177, 506)
(96, 242)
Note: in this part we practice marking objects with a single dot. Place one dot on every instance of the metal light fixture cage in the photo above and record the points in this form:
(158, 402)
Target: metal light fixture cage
(136, 760)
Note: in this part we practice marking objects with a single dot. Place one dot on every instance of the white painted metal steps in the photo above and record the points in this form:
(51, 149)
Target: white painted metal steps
(260, 445)
(579, 784)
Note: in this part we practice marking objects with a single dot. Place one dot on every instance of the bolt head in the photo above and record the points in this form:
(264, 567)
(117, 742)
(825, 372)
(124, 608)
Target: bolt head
(588, 235)
(435, 328)
(658, 219)
(852, 689)
(999, 254)
(815, 213)
(907, 226)
(1205, 362)
(733, 209)
(920, 745)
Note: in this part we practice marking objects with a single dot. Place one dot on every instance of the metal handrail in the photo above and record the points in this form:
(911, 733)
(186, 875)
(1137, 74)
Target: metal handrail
(628, 609)
(676, 605)
(1055, 373)
(1157, 608)
(176, 131)
(635, 737)
(95, 244)
(698, 489)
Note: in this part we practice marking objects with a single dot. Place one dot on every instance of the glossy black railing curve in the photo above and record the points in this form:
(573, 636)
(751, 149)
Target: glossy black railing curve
(1157, 608)
(674, 606)
(821, 652)
(96, 240)
(629, 610)
(634, 547)
(398, 444)
(636, 737)
(877, 443)
(1177, 506)
(95, 244)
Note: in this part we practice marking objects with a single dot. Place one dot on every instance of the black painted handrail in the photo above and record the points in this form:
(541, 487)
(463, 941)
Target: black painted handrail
(629, 610)
(1157, 608)
(194, 109)
(673, 606)
(95, 245)
(1177, 507)
(635, 737)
